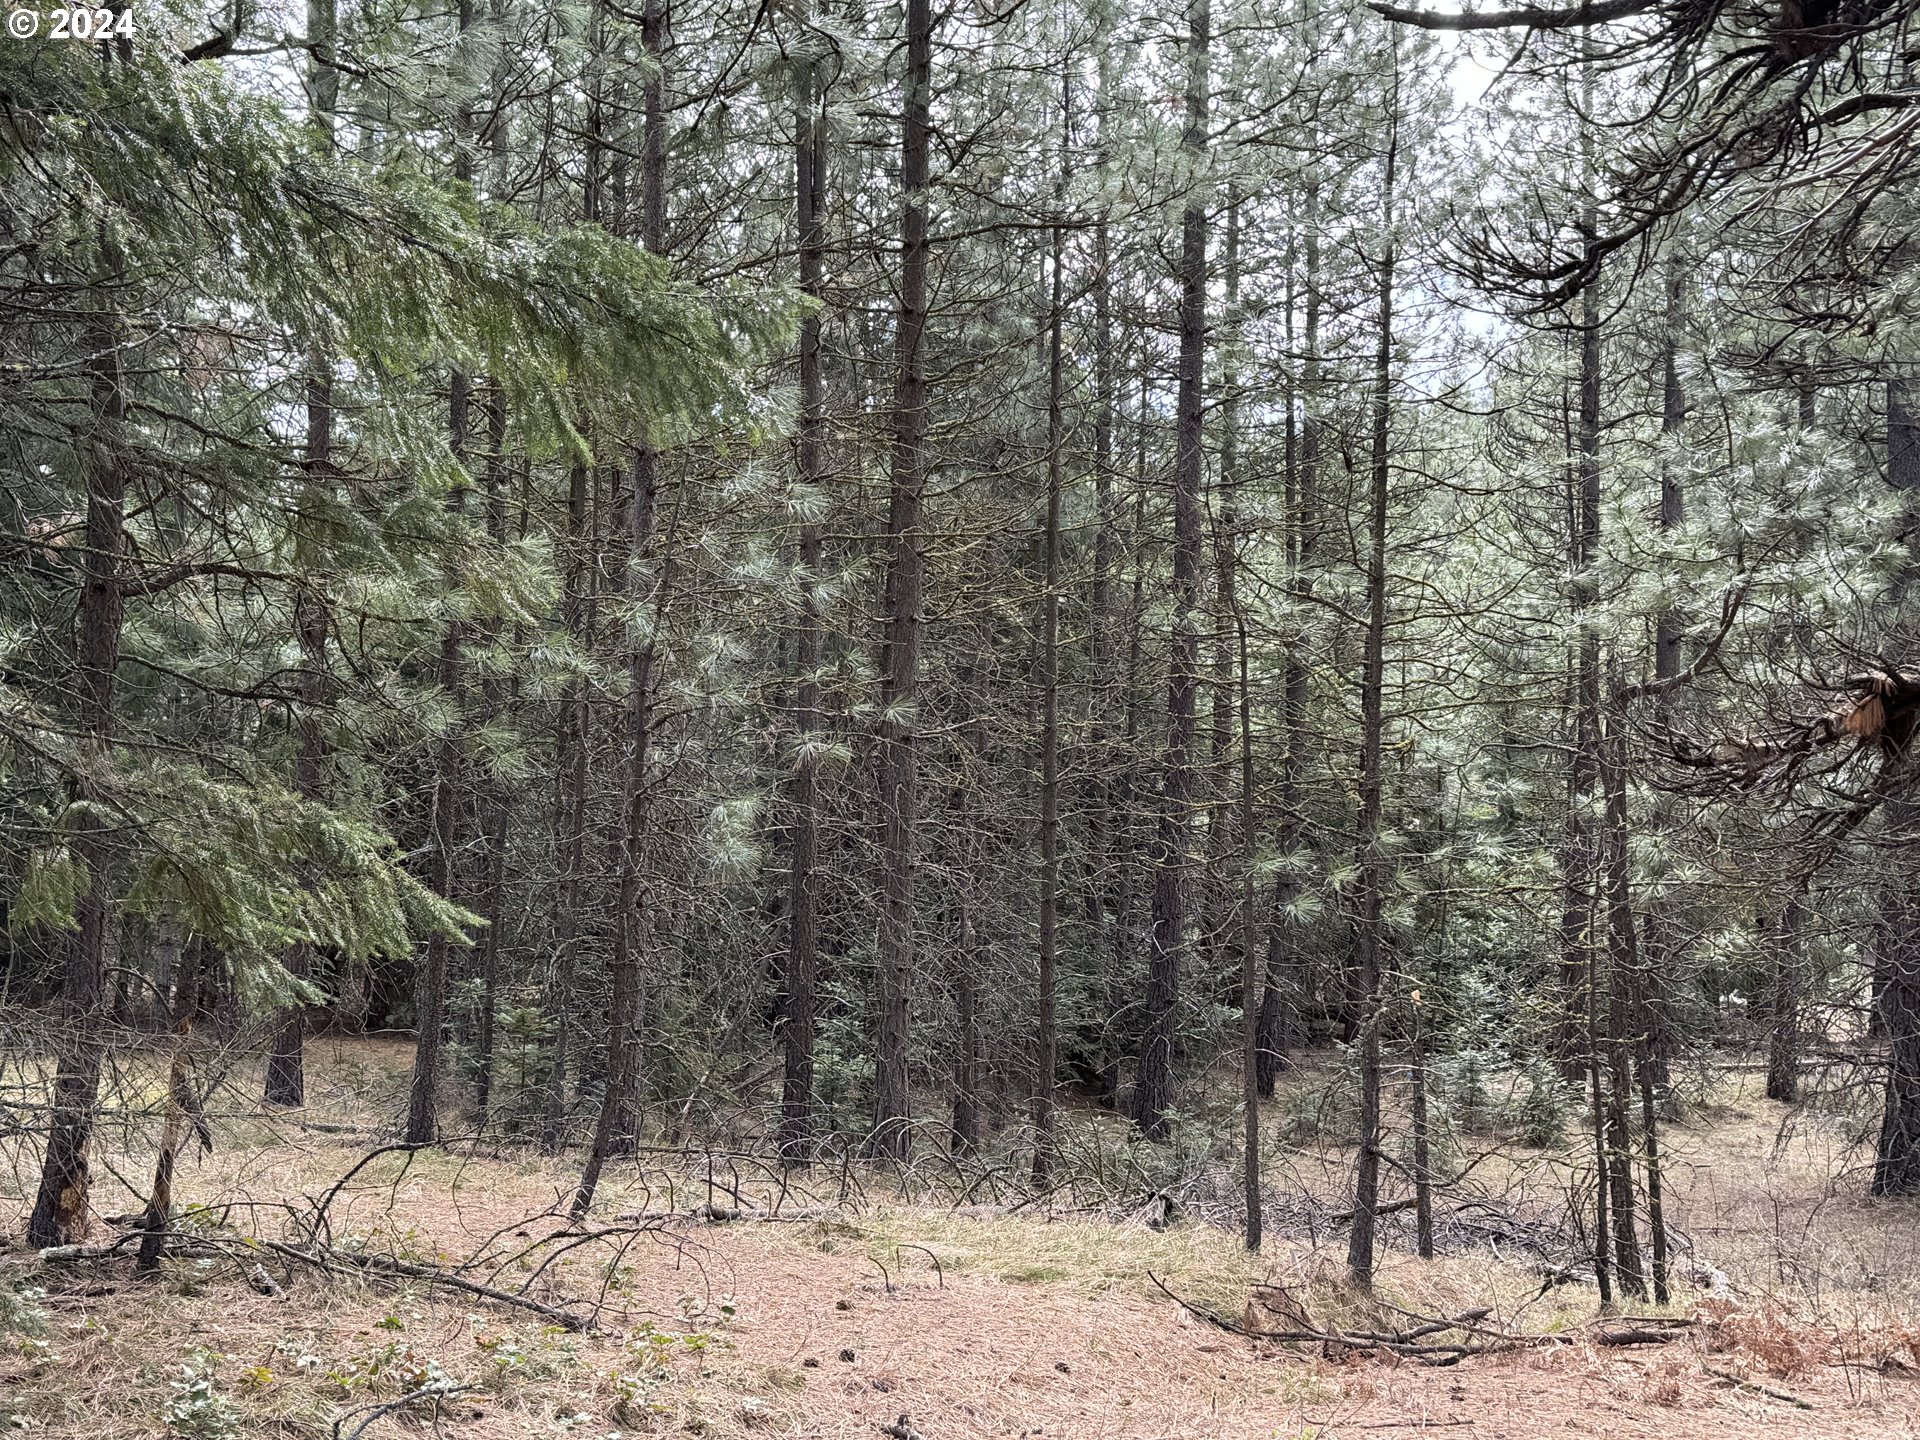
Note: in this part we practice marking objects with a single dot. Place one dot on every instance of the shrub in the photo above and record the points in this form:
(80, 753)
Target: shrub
(198, 1411)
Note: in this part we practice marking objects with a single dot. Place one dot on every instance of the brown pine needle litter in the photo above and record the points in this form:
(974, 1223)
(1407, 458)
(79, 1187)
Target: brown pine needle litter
(860, 1320)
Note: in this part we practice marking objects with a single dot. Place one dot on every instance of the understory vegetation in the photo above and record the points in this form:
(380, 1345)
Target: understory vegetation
(1252, 662)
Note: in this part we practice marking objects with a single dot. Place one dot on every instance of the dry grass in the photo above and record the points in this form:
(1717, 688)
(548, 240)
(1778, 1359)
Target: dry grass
(975, 1325)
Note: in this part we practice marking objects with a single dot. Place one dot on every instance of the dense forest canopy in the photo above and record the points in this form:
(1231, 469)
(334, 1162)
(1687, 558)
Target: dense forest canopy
(856, 581)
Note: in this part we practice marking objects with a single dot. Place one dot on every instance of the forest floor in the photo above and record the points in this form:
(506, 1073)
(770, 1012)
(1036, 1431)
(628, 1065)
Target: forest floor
(841, 1320)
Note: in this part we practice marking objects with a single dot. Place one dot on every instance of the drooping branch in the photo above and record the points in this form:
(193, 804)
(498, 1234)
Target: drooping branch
(1530, 17)
(1878, 712)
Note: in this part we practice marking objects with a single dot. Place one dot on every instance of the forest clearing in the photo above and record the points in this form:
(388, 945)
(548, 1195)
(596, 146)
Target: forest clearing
(957, 1300)
(937, 718)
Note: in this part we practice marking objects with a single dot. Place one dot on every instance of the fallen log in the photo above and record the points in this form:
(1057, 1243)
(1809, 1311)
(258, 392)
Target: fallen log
(1635, 1336)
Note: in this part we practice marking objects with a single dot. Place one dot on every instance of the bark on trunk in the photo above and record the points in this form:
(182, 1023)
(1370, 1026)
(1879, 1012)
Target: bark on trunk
(803, 925)
(1153, 1091)
(1783, 1006)
(1280, 1008)
(60, 1207)
(183, 1118)
(430, 984)
(966, 1058)
(570, 818)
(1422, 1147)
(496, 697)
(1370, 934)
(615, 1130)
(1896, 1168)
(900, 668)
(1046, 1059)
(1623, 972)
(286, 1081)
(614, 1127)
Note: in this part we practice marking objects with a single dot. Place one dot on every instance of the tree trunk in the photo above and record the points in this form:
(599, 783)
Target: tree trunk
(60, 1208)
(803, 925)
(1280, 1006)
(1650, 1150)
(1123, 897)
(966, 1003)
(892, 1136)
(183, 1117)
(1660, 948)
(570, 813)
(430, 984)
(1597, 1131)
(1623, 969)
(1371, 930)
(1896, 1167)
(1046, 1060)
(615, 1129)
(1783, 1006)
(1153, 1092)
(1107, 886)
(570, 817)
(286, 1080)
(1422, 1147)
(496, 803)
(1252, 962)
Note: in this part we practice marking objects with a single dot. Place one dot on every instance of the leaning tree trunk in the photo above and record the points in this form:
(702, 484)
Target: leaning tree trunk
(183, 1117)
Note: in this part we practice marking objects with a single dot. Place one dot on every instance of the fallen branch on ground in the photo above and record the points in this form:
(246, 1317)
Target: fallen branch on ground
(1636, 1335)
(727, 1215)
(1408, 1344)
(1741, 1383)
(1416, 1342)
(327, 1260)
(378, 1408)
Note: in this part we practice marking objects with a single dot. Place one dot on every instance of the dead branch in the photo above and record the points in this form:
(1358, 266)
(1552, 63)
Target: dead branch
(327, 1260)
(727, 1215)
(938, 1271)
(324, 1258)
(1740, 1383)
(1635, 1336)
(1416, 1342)
(378, 1409)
